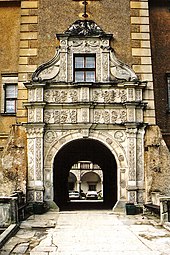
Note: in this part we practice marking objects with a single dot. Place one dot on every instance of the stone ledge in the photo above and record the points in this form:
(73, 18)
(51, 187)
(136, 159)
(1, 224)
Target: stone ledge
(8, 233)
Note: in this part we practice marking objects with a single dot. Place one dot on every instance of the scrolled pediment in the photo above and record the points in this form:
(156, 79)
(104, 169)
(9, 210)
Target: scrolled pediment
(84, 37)
(48, 70)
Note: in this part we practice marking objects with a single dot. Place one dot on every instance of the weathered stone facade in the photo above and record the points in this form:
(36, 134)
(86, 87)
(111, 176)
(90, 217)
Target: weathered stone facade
(117, 110)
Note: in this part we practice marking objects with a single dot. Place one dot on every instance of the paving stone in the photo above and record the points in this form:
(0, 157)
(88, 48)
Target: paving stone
(91, 233)
(21, 248)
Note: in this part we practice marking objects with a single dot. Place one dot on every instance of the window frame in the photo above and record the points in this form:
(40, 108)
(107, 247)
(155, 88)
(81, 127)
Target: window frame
(8, 99)
(84, 69)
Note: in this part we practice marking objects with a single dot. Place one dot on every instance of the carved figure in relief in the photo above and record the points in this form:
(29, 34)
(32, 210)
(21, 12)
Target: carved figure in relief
(106, 116)
(56, 116)
(123, 116)
(49, 136)
(47, 116)
(73, 116)
(47, 95)
(108, 96)
(119, 136)
(114, 116)
(123, 96)
(63, 96)
(95, 95)
(63, 116)
(97, 115)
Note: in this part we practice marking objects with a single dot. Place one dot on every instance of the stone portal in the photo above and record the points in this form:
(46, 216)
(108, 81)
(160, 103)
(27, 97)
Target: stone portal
(85, 104)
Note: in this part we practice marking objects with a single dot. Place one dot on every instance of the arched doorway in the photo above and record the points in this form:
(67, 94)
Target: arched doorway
(91, 181)
(71, 181)
(85, 149)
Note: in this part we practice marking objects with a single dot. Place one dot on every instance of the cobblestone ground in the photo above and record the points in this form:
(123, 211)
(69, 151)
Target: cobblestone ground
(89, 233)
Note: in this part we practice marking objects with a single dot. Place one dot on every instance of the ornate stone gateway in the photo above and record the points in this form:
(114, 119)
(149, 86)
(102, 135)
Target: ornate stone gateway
(85, 94)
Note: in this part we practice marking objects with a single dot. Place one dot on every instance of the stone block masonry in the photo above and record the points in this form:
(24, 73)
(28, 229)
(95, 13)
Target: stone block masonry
(28, 50)
(141, 51)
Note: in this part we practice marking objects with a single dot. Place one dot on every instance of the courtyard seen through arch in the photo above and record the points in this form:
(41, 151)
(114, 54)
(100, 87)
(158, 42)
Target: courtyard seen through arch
(103, 180)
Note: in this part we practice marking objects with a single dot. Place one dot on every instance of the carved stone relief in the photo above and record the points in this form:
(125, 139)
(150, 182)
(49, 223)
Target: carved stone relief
(31, 115)
(132, 196)
(85, 115)
(30, 195)
(110, 116)
(131, 158)
(38, 158)
(39, 96)
(50, 136)
(105, 66)
(130, 94)
(60, 96)
(139, 162)
(39, 117)
(138, 95)
(39, 196)
(120, 136)
(60, 116)
(31, 95)
(30, 145)
(109, 95)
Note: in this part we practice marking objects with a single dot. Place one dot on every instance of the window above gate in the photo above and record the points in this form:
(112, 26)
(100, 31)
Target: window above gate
(84, 68)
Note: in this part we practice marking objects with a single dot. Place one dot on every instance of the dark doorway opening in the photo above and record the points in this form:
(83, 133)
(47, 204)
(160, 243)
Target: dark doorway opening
(80, 150)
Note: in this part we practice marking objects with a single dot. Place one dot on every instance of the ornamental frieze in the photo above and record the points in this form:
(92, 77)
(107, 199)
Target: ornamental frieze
(110, 116)
(60, 116)
(60, 96)
(73, 95)
(109, 95)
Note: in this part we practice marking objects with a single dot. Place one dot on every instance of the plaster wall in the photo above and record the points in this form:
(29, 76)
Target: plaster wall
(9, 54)
(157, 163)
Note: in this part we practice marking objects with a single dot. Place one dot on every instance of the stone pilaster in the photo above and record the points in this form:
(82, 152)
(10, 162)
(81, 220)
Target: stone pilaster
(131, 155)
(35, 162)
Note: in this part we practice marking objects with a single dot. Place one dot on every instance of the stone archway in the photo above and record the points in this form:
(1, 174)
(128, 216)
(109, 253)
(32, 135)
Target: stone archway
(85, 149)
